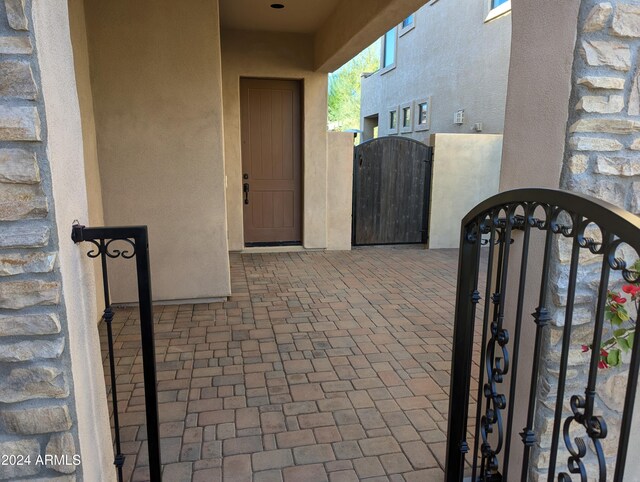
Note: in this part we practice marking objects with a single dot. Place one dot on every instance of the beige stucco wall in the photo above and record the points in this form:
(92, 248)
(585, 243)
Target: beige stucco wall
(339, 189)
(85, 99)
(538, 93)
(66, 157)
(466, 171)
(464, 67)
(542, 48)
(277, 56)
(156, 79)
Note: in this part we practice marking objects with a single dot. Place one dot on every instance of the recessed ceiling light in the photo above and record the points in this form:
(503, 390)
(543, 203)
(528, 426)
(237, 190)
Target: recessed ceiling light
(277, 5)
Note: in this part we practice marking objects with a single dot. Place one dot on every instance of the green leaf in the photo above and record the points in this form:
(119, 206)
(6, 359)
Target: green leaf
(613, 358)
(622, 343)
(608, 315)
(630, 340)
(622, 314)
(616, 320)
(620, 332)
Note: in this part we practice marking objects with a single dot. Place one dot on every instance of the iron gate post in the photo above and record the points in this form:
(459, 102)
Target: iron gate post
(101, 238)
(467, 297)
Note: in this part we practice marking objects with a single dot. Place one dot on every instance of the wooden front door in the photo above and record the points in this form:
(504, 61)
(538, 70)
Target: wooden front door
(271, 161)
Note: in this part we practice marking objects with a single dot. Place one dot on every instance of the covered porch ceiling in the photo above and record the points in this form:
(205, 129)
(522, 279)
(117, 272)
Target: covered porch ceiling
(341, 28)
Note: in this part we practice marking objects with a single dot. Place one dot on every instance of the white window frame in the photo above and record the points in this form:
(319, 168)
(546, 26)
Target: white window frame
(383, 42)
(392, 130)
(500, 10)
(403, 128)
(416, 114)
(403, 30)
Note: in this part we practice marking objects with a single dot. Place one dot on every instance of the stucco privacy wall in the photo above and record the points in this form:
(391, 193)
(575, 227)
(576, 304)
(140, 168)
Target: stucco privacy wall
(46, 298)
(85, 98)
(465, 171)
(339, 189)
(459, 68)
(156, 80)
(277, 56)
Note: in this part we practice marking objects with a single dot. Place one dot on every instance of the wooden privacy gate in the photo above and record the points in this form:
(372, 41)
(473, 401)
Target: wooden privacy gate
(391, 191)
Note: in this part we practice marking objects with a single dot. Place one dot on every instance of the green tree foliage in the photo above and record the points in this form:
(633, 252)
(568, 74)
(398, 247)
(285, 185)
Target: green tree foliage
(344, 88)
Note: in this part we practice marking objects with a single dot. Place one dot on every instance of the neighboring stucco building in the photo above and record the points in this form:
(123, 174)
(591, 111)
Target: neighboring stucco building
(448, 56)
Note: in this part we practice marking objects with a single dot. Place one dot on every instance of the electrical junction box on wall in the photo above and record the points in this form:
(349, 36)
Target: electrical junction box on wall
(458, 117)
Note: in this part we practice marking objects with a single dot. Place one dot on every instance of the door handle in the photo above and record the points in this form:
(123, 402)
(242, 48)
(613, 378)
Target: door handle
(245, 190)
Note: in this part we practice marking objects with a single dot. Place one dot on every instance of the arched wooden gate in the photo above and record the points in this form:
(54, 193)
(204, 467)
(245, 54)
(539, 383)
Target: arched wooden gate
(391, 191)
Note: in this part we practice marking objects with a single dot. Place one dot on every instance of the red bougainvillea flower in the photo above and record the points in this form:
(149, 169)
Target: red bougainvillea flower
(602, 364)
(604, 352)
(618, 299)
(631, 289)
(585, 348)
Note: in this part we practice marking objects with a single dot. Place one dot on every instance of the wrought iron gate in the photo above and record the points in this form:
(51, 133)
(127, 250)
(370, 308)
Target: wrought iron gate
(585, 245)
(135, 240)
(391, 191)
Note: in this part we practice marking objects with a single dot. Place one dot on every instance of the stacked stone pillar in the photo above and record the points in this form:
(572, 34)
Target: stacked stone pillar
(36, 404)
(602, 159)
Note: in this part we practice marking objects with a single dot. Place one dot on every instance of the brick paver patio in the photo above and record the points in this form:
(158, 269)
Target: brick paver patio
(323, 366)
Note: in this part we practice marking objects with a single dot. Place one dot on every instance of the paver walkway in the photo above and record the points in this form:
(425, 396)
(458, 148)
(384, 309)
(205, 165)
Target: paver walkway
(322, 366)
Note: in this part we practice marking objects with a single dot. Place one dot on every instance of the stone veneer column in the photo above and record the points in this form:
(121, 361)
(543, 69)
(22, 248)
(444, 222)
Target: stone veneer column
(602, 159)
(37, 415)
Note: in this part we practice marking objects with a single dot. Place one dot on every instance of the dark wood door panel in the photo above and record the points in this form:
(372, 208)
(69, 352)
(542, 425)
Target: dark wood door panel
(391, 189)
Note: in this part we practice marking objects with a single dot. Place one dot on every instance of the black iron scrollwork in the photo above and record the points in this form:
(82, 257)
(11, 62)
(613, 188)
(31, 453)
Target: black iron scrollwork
(497, 368)
(496, 354)
(591, 226)
(105, 248)
(596, 429)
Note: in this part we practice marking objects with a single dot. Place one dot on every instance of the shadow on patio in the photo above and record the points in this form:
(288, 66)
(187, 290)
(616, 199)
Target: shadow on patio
(322, 366)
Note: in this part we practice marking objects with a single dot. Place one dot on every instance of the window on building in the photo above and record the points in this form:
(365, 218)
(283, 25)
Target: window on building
(423, 110)
(407, 25)
(389, 48)
(422, 114)
(406, 117)
(393, 120)
(497, 8)
(407, 22)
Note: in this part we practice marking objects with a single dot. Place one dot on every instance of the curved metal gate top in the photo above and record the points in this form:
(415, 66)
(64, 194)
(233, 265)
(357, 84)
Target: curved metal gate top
(391, 191)
(590, 259)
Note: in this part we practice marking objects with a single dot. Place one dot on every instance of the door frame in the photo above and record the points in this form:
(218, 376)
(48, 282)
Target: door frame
(301, 186)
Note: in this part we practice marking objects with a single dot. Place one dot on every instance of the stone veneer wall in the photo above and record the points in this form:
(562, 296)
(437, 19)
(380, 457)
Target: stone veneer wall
(602, 159)
(37, 415)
